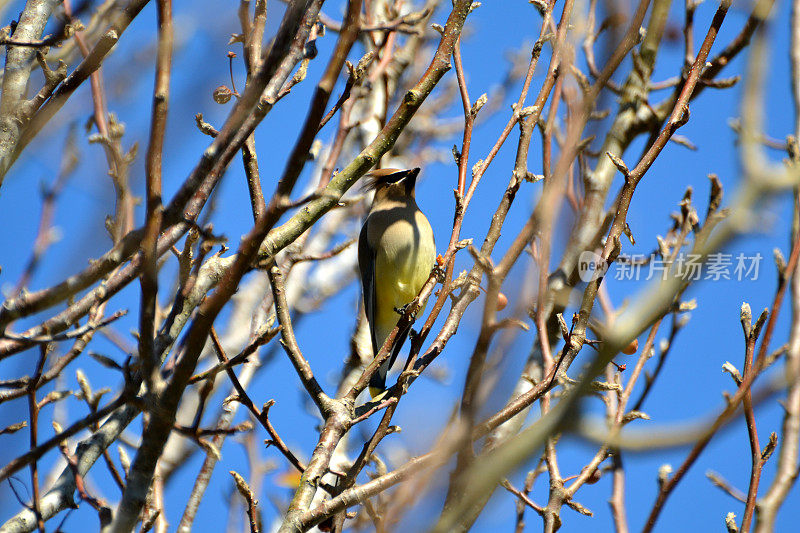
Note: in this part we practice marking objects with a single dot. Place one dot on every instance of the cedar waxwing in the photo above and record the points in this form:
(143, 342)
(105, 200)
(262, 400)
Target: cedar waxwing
(395, 255)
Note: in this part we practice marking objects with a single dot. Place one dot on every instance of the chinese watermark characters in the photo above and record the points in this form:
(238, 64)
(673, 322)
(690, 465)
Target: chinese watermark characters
(690, 267)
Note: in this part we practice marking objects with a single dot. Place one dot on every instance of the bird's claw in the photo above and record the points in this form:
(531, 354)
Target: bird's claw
(402, 311)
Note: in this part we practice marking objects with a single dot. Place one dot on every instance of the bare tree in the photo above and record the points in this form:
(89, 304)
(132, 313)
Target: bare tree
(211, 313)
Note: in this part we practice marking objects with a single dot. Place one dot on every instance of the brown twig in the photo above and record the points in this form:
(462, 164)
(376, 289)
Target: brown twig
(252, 502)
(289, 342)
(33, 413)
(751, 337)
(90, 326)
(244, 399)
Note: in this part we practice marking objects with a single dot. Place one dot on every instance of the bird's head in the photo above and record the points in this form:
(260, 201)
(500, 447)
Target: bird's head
(391, 182)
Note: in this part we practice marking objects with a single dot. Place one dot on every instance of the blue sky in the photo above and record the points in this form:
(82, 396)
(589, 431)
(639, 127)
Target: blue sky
(690, 385)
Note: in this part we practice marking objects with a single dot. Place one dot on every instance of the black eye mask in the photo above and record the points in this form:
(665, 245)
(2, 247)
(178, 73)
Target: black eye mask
(408, 177)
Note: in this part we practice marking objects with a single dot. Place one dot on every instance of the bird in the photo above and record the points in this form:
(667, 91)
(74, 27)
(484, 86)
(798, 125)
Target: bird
(396, 252)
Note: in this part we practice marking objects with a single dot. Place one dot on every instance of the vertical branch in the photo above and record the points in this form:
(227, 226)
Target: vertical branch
(620, 134)
(110, 140)
(617, 501)
(750, 419)
(154, 212)
(254, 36)
(250, 161)
(469, 121)
(16, 74)
(161, 525)
(252, 502)
(33, 412)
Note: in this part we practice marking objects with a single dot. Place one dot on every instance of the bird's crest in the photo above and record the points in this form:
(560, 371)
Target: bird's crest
(385, 176)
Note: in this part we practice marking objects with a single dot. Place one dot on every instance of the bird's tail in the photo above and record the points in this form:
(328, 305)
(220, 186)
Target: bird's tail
(377, 381)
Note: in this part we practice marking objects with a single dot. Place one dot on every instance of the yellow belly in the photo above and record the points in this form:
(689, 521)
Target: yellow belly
(402, 266)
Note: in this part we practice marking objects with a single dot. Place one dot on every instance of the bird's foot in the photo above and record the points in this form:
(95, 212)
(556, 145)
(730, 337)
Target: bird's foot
(402, 310)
